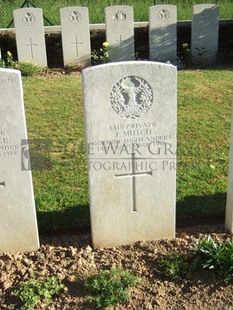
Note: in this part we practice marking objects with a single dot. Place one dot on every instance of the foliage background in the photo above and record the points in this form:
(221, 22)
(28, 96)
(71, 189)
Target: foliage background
(96, 8)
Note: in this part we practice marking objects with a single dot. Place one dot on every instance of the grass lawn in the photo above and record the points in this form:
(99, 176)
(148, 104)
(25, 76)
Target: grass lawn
(54, 111)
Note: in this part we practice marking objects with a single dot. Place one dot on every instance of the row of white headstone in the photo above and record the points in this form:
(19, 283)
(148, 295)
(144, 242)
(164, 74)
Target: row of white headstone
(75, 32)
(131, 122)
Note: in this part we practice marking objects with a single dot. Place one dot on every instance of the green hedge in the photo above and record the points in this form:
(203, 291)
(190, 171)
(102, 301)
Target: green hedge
(96, 8)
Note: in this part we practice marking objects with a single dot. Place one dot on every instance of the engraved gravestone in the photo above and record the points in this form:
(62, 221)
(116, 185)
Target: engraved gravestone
(120, 32)
(75, 32)
(163, 33)
(18, 225)
(30, 39)
(204, 36)
(131, 146)
(229, 206)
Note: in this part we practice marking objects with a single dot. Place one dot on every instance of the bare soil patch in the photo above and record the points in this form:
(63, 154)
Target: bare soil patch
(72, 258)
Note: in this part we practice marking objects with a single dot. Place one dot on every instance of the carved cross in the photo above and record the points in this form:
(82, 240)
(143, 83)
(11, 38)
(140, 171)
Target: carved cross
(31, 47)
(120, 42)
(133, 176)
(76, 43)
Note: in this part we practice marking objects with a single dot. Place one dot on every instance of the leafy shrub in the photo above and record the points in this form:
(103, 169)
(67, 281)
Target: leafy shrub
(32, 291)
(186, 55)
(101, 56)
(73, 67)
(27, 68)
(7, 60)
(174, 266)
(110, 287)
(214, 256)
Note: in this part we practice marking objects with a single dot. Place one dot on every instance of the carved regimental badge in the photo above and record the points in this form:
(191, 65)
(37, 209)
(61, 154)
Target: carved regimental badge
(163, 15)
(75, 17)
(28, 18)
(131, 97)
(119, 16)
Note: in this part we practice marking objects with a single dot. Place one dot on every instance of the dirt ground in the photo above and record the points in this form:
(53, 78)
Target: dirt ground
(72, 258)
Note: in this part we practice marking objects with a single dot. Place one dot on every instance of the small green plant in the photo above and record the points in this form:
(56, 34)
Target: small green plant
(110, 287)
(32, 291)
(73, 67)
(173, 266)
(214, 256)
(7, 61)
(2, 63)
(101, 56)
(186, 55)
(27, 68)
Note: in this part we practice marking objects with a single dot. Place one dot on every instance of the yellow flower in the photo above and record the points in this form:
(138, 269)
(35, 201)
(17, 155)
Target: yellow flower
(185, 45)
(105, 44)
(9, 54)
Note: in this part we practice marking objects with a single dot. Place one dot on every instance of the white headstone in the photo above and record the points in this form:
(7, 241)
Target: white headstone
(18, 225)
(163, 33)
(229, 206)
(30, 38)
(120, 32)
(204, 37)
(76, 44)
(130, 113)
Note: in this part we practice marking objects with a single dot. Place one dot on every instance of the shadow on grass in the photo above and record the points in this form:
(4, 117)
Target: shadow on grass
(75, 219)
(191, 211)
(200, 210)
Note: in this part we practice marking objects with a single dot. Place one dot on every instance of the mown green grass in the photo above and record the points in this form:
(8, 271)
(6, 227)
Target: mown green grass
(54, 111)
(204, 100)
(96, 8)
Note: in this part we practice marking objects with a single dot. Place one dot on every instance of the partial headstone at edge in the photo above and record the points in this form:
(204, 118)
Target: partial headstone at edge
(131, 120)
(204, 36)
(18, 224)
